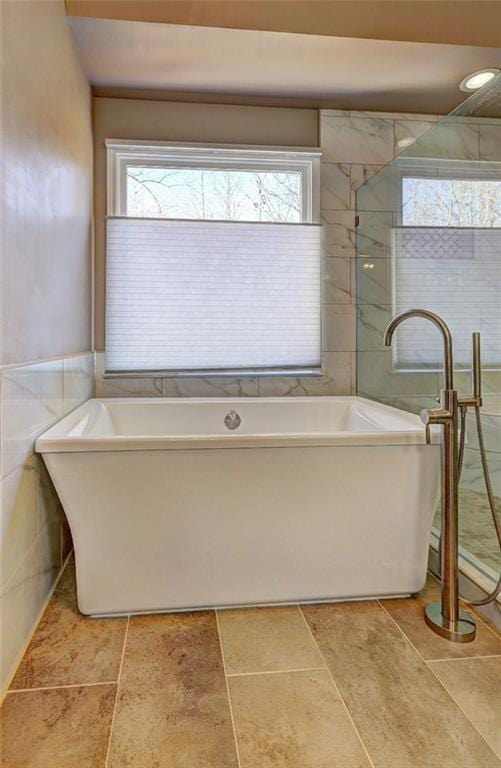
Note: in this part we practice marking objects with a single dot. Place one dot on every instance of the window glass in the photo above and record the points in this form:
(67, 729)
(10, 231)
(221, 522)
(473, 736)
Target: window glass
(432, 202)
(228, 195)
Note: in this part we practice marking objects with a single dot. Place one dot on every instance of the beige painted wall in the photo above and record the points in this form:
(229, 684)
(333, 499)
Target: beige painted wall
(177, 121)
(46, 186)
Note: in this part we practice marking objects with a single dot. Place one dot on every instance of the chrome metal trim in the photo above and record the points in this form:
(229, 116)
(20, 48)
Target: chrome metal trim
(212, 373)
(426, 314)
(232, 420)
(462, 630)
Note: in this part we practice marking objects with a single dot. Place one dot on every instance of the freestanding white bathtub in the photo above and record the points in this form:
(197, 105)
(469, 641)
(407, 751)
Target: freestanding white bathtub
(308, 499)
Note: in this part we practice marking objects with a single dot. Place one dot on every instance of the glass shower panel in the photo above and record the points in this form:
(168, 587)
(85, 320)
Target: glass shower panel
(429, 235)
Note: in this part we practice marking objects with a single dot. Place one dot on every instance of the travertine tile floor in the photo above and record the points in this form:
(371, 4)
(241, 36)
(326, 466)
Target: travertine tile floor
(347, 685)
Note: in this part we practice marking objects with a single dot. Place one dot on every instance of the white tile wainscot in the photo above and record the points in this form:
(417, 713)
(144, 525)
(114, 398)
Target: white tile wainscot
(34, 536)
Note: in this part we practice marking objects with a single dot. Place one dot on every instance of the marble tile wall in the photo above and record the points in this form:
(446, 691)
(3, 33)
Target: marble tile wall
(355, 145)
(462, 139)
(472, 477)
(34, 536)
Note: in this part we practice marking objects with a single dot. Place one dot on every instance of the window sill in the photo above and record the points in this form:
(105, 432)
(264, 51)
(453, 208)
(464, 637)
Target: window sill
(238, 373)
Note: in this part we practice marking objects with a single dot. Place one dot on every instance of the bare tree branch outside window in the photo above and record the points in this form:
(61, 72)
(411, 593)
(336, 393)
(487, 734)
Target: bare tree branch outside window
(451, 202)
(228, 195)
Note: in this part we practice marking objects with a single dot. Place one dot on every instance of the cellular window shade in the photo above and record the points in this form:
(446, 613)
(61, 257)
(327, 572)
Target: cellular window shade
(205, 295)
(456, 273)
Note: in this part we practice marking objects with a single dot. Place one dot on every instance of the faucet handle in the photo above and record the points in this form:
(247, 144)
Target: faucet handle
(435, 416)
(425, 418)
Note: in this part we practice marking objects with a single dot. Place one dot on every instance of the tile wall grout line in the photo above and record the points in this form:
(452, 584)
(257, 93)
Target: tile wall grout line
(437, 678)
(227, 689)
(274, 672)
(465, 658)
(60, 687)
(108, 751)
(341, 698)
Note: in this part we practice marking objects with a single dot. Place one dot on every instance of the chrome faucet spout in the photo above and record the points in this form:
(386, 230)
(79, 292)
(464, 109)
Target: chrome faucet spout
(444, 330)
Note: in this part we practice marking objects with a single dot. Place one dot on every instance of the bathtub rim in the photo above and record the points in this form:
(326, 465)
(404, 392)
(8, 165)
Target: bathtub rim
(54, 440)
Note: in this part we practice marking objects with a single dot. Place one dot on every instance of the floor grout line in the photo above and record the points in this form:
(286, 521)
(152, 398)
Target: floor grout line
(465, 658)
(274, 672)
(60, 687)
(227, 689)
(108, 751)
(404, 634)
(458, 705)
(427, 664)
(482, 619)
(341, 698)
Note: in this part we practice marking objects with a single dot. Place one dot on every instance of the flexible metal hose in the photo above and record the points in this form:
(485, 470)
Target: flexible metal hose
(490, 495)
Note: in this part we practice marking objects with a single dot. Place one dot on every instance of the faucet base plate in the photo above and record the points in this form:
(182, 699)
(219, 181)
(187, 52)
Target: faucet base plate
(461, 631)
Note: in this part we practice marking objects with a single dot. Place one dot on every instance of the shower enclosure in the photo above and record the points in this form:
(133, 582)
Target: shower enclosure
(429, 235)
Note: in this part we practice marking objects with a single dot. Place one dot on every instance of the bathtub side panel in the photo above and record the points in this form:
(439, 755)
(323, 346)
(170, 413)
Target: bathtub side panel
(159, 530)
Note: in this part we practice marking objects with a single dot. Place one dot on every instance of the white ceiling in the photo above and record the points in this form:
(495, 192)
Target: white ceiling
(327, 71)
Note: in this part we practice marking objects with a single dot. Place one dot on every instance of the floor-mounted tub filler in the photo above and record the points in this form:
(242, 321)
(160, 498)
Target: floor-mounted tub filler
(178, 504)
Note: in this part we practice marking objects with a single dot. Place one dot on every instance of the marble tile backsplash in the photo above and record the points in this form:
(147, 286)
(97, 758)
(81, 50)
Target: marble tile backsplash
(34, 535)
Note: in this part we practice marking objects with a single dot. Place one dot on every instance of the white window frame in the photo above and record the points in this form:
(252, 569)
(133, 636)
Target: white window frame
(305, 161)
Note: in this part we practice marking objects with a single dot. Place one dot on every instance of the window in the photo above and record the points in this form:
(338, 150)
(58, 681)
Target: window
(212, 260)
(457, 202)
(446, 257)
(206, 193)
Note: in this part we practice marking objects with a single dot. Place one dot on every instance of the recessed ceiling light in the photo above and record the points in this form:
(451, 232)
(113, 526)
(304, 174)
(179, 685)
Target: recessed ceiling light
(477, 79)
